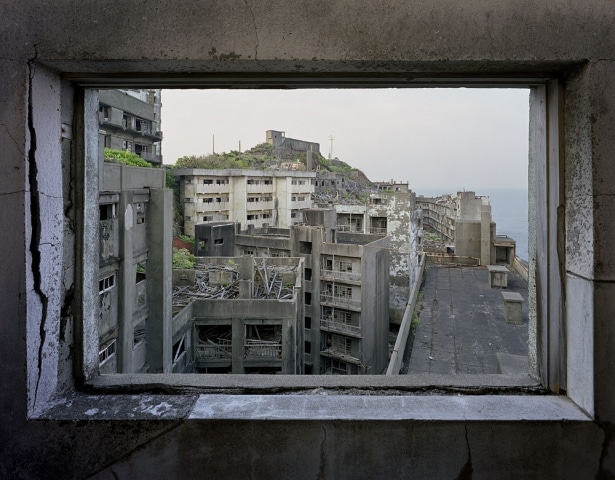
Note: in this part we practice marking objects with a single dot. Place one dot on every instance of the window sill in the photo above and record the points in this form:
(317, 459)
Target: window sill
(314, 398)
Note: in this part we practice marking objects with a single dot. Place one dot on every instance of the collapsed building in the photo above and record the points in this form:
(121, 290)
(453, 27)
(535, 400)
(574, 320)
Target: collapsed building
(241, 315)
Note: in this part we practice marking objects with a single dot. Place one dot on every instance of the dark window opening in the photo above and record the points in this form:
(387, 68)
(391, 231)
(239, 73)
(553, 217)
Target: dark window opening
(305, 248)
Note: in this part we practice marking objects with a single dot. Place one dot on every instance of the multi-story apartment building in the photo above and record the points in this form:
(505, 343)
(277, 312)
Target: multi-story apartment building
(464, 222)
(346, 289)
(390, 211)
(248, 197)
(256, 331)
(130, 120)
(439, 214)
(134, 269)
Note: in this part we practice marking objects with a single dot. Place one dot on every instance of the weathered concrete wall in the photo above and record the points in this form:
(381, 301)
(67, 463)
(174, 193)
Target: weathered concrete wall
(388, 43)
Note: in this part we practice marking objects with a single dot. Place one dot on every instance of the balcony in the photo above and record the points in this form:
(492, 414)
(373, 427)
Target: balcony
(341, 302)
(378, 230)
(212, 188)
(262, 349)
(212, 207)
(259, 188)
(339, 355)
(337, 275)
(151, 157)
(222, 350)
(330, 325)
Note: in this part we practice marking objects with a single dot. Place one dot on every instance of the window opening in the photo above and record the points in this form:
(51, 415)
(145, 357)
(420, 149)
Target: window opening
(337, 288)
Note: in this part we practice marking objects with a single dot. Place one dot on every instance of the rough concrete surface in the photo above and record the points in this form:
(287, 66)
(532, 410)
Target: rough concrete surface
(294, 44)
(462, 324)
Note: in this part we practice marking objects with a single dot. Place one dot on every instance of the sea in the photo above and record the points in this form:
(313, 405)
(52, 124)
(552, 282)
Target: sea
(508, 211)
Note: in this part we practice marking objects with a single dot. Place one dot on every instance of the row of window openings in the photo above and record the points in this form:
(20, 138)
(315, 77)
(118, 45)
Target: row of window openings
(332, 291)
(207, 200)
(107, 283)
(208, 218)
(297, 199)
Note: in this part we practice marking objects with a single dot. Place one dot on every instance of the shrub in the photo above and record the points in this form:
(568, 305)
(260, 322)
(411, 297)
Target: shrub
(182, 258)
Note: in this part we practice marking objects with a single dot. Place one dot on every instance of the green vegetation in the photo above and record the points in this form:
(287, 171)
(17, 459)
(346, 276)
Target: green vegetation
(434, 237)
(126, 157)
(187, 239)
(182, 258)
(259, 157)
(170, 181)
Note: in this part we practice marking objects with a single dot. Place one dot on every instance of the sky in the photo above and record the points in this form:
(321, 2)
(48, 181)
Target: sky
(445, 139)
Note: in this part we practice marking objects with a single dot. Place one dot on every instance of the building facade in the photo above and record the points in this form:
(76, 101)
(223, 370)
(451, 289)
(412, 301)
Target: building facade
(248, 197)
(465, 225)
(346, 293)
(134, 270)
(390, 211)
(130, 120)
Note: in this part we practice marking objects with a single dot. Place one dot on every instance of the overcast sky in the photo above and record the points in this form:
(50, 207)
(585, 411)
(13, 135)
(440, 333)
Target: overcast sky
(449, 139)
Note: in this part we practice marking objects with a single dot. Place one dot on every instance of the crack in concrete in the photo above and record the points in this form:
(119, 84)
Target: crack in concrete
(609, 430)
(255, 29)
(323, 460)
(467, 469)
(35, 219)
(11, 193)
(12, 138)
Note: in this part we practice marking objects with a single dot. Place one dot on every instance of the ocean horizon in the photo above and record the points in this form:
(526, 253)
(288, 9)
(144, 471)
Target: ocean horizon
(509, 211)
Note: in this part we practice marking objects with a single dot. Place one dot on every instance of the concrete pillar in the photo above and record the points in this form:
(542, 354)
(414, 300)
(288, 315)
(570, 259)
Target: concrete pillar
(245, 289)
(238, 334)
(485, 235)
(159, 274)
(126, 283)
(288, 346)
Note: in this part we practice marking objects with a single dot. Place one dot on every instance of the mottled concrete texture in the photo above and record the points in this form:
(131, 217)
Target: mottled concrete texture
(50, 428)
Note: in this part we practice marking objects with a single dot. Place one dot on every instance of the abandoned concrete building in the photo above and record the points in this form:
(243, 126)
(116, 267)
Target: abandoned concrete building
(248, 318)
(61, 419)
(391, 211)
(464, 223)
(134, 282)
(285, 147)
(130, 121)
(249, 197)
(346, 297)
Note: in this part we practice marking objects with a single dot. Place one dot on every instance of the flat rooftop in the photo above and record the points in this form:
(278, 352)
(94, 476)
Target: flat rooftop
(461, 324)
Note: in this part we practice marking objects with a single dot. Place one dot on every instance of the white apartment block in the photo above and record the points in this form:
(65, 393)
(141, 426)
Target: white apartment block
(249, 197)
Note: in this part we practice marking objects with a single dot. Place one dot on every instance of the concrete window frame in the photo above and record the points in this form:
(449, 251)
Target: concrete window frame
(548, 337)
